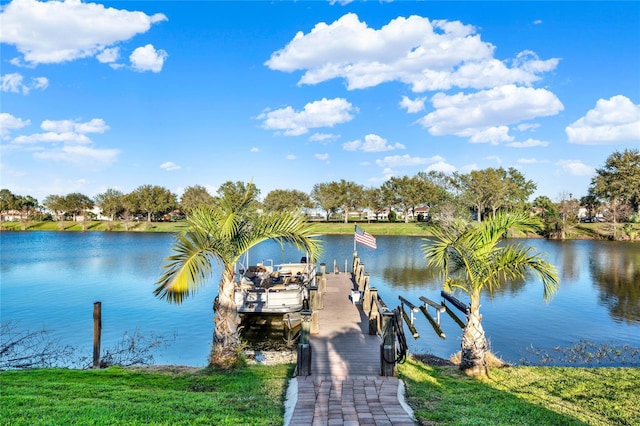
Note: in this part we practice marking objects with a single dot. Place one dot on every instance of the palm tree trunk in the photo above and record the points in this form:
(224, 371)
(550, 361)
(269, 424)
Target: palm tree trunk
(226, 341)
(474, 342)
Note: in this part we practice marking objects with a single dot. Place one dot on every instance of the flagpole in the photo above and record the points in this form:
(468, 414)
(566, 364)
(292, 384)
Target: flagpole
(354, 238)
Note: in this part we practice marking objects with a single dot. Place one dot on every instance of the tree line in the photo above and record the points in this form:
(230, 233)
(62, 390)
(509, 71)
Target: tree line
(614, 194)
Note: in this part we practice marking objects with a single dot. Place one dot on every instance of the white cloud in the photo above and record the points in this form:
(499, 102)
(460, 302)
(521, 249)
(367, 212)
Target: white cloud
(425, 54)
(290, 157)
(529, 143)
(8, 123)
(492, 135)
(95, 125)
(322, 157)
(322, 113)
(254, 149)
(441, 166)
(412, 105)
(531, 161)
(575, 168)
(82, 155)
(55, 31)
(475, 114)
(407, 160)
(147, 58)
(523, 127)
(494, 158)
(108, 55)
(14, 83)
(537, 22)
(372, 143)
(66, 140)
(323, 137)
(612, 121)
(53, 137)
(170, 166)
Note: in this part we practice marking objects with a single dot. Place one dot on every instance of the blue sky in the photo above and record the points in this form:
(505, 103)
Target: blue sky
(290, 94)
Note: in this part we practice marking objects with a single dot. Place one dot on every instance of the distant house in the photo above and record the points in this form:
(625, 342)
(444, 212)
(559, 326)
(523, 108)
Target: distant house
(11, 216)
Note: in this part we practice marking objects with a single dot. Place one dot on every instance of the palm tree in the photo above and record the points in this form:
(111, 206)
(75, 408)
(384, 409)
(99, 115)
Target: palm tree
(223, 233)
(469, 259)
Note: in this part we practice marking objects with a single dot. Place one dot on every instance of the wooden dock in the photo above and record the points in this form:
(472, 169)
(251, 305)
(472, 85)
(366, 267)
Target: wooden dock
(343, 346)
(345, 386)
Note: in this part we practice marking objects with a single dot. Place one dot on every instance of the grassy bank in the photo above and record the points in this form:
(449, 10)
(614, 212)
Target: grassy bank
(582, 231)
(255, 396)
(523, 395)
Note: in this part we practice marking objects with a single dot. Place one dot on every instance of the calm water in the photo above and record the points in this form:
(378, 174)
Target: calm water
(50, 280)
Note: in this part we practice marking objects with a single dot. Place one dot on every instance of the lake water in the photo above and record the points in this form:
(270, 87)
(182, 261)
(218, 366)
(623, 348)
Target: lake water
(50, 280)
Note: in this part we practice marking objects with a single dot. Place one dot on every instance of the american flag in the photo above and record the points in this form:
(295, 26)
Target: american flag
(365, 238)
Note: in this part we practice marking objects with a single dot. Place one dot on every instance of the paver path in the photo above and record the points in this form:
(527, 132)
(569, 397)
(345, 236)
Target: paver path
(345, 386)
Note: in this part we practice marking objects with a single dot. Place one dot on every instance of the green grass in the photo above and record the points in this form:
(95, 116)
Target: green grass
(117, 396)
(581, 231)
(254, 395)
(523, 395)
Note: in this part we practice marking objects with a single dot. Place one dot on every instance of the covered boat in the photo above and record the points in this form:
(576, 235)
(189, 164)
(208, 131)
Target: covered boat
(274, 289)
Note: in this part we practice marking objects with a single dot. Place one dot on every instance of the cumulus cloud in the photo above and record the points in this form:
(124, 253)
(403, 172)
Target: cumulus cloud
(529, 143)
(170, 166)
(321, 156)
(290, 157)
(77, 154)
(441, 166)
(413, 105)
(147, 58)
(611, 121)
(425, 54)
(58, 31)
(574, 168)
(407, 160)
(14, 83)
(372, 143)
(109, 55)
(323, 137)
(8, 123)
(531, 161)
(483, 116)
(65, 140)
(322, 113)
(254, 149)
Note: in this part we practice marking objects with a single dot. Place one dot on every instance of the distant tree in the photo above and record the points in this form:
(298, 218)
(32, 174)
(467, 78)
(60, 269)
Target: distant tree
(286, 200)
(152, 200)
(8, 202)
(618, 181)
(375, 200)
(195, 196)
(76, 204)
(493, 189)
(56, 205)
(235, 192)
(327, 197)
(111, 203)
(591, 203)
(350, 197)
(408, 193)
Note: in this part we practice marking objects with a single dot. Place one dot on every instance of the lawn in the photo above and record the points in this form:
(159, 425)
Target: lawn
(254, 395)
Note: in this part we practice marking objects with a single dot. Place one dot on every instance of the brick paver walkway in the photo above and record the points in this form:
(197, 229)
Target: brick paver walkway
(345, 387)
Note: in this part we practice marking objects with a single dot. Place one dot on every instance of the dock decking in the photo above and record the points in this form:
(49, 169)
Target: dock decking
(345, 386)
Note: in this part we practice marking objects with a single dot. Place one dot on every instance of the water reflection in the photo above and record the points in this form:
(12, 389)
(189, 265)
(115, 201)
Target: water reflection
(616, 272)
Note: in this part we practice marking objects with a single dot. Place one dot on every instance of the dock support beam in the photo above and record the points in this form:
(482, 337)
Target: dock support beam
(303, 365)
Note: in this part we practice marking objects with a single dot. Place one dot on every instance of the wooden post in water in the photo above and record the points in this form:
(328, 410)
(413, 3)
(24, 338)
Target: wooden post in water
(97, 333)
(303, 365)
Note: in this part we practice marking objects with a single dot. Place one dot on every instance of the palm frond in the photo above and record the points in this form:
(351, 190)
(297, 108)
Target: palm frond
(187, 269)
